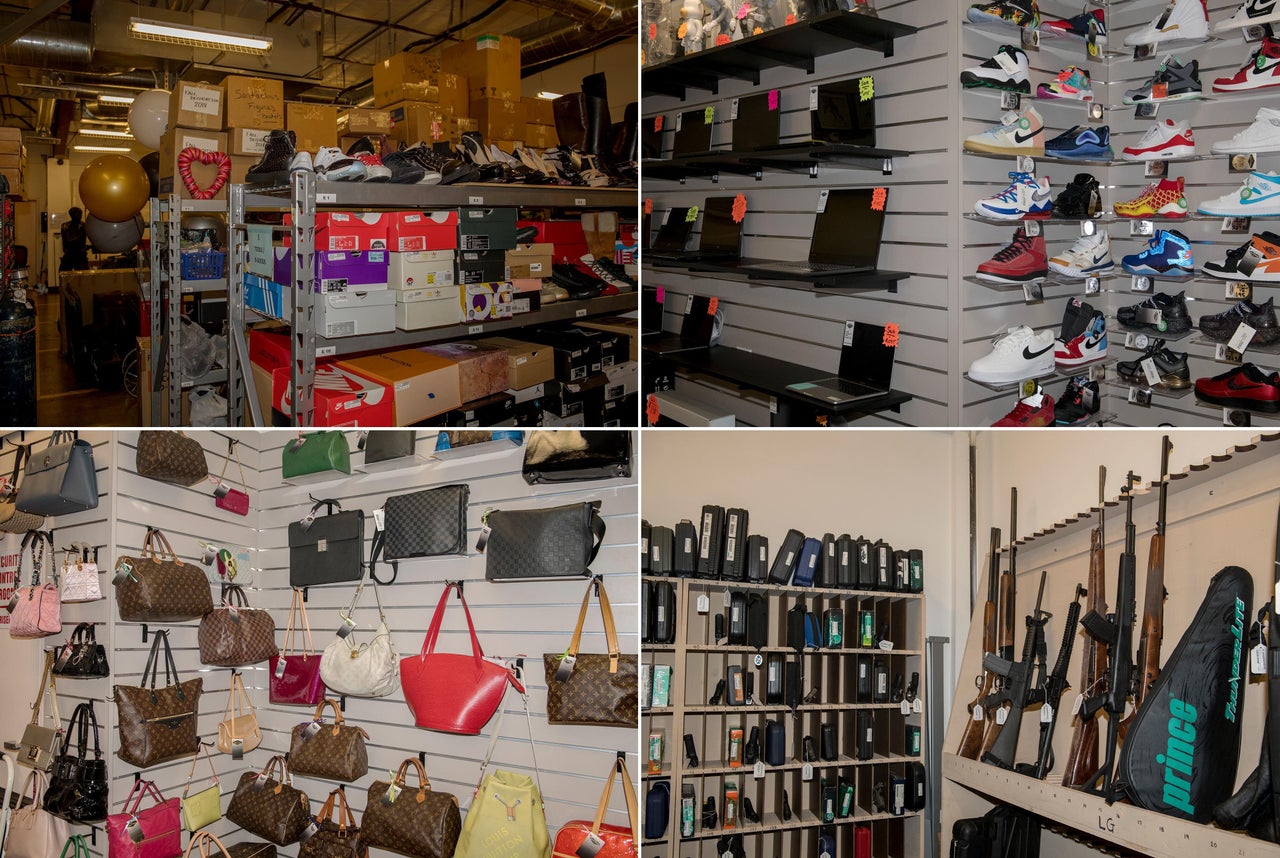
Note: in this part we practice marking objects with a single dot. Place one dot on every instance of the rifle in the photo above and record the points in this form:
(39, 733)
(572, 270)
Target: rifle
(1153, 601)
(1082, 760)
(1024, 684)
(1007, 607)
(1054, 686)
(1116, 630)
(971, 739)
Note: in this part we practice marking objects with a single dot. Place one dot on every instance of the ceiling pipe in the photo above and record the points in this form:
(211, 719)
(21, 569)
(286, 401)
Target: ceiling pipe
(541, 52)
(54, 43)
(593, 14)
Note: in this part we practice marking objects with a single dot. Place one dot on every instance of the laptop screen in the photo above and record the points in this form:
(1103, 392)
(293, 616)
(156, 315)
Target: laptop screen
(694, 136)
(673, 235)
(650, 138)
(756, 126)
(843, 115)
(650, 310)
(848, 231)
(697, 325)
(719, 233)
(865, 357)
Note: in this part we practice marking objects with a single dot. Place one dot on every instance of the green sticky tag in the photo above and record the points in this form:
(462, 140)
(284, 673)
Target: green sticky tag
(866, 88)
(691, 215)
(708, 116)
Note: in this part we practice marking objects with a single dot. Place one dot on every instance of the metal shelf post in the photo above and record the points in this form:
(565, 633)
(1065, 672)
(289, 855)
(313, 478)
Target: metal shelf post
(302, 372)
(159, 238)
(173, 295)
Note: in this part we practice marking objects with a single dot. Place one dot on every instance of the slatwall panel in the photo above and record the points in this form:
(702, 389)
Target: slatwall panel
(914, 109)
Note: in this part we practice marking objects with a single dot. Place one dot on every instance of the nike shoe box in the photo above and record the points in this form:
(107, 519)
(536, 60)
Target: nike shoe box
(566, 235)
(484, 301)
(482, 370)
(344, 397)
(427, 308)
(417, 231)
(482, 266)
(570, 398)
(620, 413)
(418, 269)
(532, 393)
(577, 355)
(487, 229)
(496, 410)
(614, 347)
(350, 314)
(624, 380)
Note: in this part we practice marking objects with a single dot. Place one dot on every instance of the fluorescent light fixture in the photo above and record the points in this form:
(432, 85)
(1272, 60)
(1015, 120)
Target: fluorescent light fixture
(116, 99)
(549, 96)
(198, 37)
(103, 132)
(102, 148)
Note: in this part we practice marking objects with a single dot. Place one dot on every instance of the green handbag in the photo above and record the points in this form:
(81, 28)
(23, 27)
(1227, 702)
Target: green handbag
(205, 807)
(315, 454)
(78, 846)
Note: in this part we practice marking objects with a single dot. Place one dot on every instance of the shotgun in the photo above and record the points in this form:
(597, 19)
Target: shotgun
(1055, 685)
(1008, 612)
(1082, 760)
(971, 739)
(1024, 684)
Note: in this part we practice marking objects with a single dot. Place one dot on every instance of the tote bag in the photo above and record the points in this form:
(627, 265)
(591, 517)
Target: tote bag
(60, 478)
(295, 676)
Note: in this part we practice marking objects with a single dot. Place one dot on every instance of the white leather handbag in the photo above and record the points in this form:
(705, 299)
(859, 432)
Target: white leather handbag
(370, 669)
(80, 579)
(33, 831)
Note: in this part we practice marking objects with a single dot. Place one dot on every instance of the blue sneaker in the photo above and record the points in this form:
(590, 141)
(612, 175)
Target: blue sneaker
(1081, 144)
(1025, 197)
(1168, 253)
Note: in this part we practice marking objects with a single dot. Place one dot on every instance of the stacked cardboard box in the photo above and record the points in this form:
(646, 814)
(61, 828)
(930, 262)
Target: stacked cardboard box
(174, 141)
(539, 123)
(490, 63)
(13, 160)
(424, 102)
(357, 122)
(252, 108)
(314, 125)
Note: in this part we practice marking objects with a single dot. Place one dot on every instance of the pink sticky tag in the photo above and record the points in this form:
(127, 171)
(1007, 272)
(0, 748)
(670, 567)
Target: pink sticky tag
(662, 295)
(744, 10)
(773, 99)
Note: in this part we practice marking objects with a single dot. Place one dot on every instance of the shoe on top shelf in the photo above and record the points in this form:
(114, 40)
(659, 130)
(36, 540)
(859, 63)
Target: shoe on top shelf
(1079, 403)
(1171, 81)
(1262, 136)
(1008, 69)
(1261, 317)
(1017, 134)
(1181, 20)
(1081, 144)
(1022, 260)
(1078, 25)
(274, 167)
(1026, 196)
(364, 151)
(1031, 411)
(1019, 13)
(1018, 353)
(1261, 71)
(1167, 254)
(1250, 13)
(1165, 140)
(1263, 251)
(1089, 256)
(1257, 196)
(1072, 84)
(332, 165)
(302, 162)
(1162, 198)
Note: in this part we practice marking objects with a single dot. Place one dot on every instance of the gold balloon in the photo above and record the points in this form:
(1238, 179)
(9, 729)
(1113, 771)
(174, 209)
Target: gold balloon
(114, 188)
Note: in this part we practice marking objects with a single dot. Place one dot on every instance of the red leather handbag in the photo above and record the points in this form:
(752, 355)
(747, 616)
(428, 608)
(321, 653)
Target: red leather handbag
(449, 692)
(158, 829)
(295, 677)
(613, 841)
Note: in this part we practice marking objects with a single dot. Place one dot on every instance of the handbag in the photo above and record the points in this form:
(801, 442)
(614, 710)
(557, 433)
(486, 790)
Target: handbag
(423, 524)
(450, 692)
(273, 809)
(207, 843)
(592, 688)
(562, 456)
(158, 724)
(225, 497)
(619, 841)
(82, 657)
(79, 579)
(339, 839)
(371, 669)
(40, 744)
(422, 823)
(12, 519)
(295, 677)
(233, 634)
(335, 752)
(386, 445)
(34, 611)
(60, 479)
(559, 542)
(157, 587)
(78, 845)
(78, 786)
(238, 731)
(316, 453)
(205, 807)
(171, 457)
(152, 833)
(326, 549)
(33, 831)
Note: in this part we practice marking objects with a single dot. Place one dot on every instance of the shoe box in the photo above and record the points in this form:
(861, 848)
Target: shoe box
(409, 231)
(577, 352)
(530, 260)
(482, 370)
(335, 270)
(540, 136)
(490, 63)
(348, 230)
(484, 301)
(499, 409)
(619, 413)
(528, 294)
(172, 142)
(481, 266)
(623, 380)
(423, 384)
(429, 307)
(264, 296)
(570, 398)
(313, 125)
(613, 348)
(487, 229)
(350, 314)
(360, 122)
(405, 77)
(196, 106)
(619, 325)
(528, 364)
(420, 269)
(569, 240)
(627, 245)
(342, 397)
(412, 121)
(252, 102)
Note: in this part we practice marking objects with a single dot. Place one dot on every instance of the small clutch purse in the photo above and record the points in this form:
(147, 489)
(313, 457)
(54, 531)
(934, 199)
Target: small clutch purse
(225, 497)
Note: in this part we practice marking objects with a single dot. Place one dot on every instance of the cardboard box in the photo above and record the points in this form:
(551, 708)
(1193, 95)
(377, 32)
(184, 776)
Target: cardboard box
(337, 270)
(624, 380)
(247, 141)
(351, 314)
(539, 111)
(360, 122)
(541, 136)
(423, 384)
(566, 235)
(528, 364)
(613, 348)
(240, 166)
(620, 413)
(196, 105)
(530, 261)
(466, 123)
(422, 231)
(349, 230)
(499, 118)
(314, 125)
(412, 121)
(577, 355)
(172, 142)
(491, 411)
(421, 269)
(404, 77)
(431, 307)
(491, 64)
(11, 134)
(617, 325)
(584, 397)
(452, 94)
(343, 398)
(484, 301)
(252, 102)
(487, 229)
(482, 370)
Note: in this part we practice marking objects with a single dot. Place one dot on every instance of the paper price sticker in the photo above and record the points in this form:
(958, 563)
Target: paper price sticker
(1002, 715)
(758, 771)
(890, 339)
(806, 772)
(879, 196)
(866, 88)
(691, 215)
(813, 98)
(1006, 62)
(712, 305)
(1241, 338)
(789, 20)
(1159, 91)
(848, 333)
(977, 712)
(733, 110)
(905, 707)
(773, 99)
(1258, 659)
(917, 706)
(1076, 704)
(1150, 370)
(662, 294)
(739, 210)
(688, 305)
(653, 32)
(682, 29)
(743, 11)
(704, 604)
(1046, 714)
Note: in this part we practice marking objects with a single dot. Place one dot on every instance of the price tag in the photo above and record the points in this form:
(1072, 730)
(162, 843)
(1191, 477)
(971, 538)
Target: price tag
(1095, 109)
(1046, 714)
(1002, 715)
(1033, 292)
(1241, 338)
(1030, 39)
(806, 772)
(733, 110)
(1006, 62)
(679, 121)
(1140, 396)
(1225, 354)
(1235, 225)
(1092, 285)
(1240, 290)
(1140, 283)
(688, 307)
(708, 116)
(758, 770)
(476, 200)
(326, 351)
(1150, 371)
(1026, 164)
(1146, 110)
(134, 829)
(123, 571)
(822, 200)
(691, 215)
(580, 312)
(326, 198)
(813, 98)
(1032, 227)
(1242, 163)
(905, 707)
(1256, 33)
(704, 605)
(347, 627)
(1077, 704)
(1258, 660)
(978, 714)
(887, 646)
(917, 706)
(311, 730)
(728, 598)
(590, 846)
(1088, 227)
(566, 667)
(280, 668)
(1141, 227)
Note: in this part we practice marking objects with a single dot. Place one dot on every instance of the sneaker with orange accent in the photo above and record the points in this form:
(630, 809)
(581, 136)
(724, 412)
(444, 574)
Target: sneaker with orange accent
(1262, 252)
(1034, 410)
(1159, 199)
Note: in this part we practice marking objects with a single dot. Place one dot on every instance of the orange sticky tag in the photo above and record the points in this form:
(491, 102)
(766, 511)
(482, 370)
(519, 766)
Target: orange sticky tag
(790, 19)
(651, 409)
(713, 305)
(739, 208)
(890, 335)
(757, 31)
(653, 32)
(1159, 91)
(722, 39)
(657, 123)
(878, 197)
(684, 28)
(648, 206)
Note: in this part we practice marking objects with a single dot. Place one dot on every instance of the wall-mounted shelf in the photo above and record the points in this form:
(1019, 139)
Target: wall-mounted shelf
(791, 159)
(381, 195)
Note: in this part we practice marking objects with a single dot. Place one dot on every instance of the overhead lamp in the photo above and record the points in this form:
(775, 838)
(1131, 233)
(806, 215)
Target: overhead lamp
(549, 96)
(116, 99)
(103, 132)
(198, 37)
(102, 148)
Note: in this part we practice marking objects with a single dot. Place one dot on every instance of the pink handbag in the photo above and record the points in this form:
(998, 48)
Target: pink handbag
(225, 497)
(158, 828)
(35, 611)
(295, 677)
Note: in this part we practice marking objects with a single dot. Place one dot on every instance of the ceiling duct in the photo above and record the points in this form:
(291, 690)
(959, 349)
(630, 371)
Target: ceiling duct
(542, 51)
(592, 14)
(53, 43)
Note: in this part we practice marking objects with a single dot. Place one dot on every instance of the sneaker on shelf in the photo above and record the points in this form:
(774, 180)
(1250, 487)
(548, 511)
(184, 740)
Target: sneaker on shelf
(1262, 136)
(1173, 315)
(302, 163)
(1078, 26)
(1168, 254)
(1089, 256)
(332, 165)
(1026, 197)
(1265, 259)
(1170, 366)
(577, 283)
(1072, 83)
(1164, 140)
(1261, 71)
(1017, 134)
(428, 161)
(1181, 20)
(1171, 81)
(405, 169)
(1244, 386)
(1031, 411)
(1163, 198)
(1250, 13)
(363, 151)
(1008, 69)
(1260, 317)
(552, 293)
(1081, 144)
(1019, 13)
(1078, 345)
(1258, 196)
(612, 274)
(277, 160)
(1080, 402)
(1022, 260)
(1080, 199)
(1019, 353)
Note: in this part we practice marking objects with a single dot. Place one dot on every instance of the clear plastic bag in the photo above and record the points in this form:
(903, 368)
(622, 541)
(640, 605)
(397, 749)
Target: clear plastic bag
(208, 408)
(197, 350)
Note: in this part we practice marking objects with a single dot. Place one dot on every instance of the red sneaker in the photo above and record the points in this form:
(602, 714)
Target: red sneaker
(1023, 260)
(1029, 412)
(1261, 71)
(1245, 386)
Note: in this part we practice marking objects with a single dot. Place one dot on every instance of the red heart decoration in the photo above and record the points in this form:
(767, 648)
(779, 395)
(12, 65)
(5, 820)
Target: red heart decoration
(221, 159)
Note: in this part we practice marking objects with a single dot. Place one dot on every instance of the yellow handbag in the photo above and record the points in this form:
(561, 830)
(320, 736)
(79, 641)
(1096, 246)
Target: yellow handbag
(205, 807)
(238, 732)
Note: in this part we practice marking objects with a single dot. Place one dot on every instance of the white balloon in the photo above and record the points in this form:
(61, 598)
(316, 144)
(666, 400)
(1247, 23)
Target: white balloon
(149, 117)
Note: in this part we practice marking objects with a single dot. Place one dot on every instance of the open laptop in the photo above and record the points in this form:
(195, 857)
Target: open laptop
(650, 139)
(696, 329)
(693, 136)
(673, 234)
(756, 126)
(838, 114)
(650, 310)
(721, 239)
(846, 239)
(866, 368)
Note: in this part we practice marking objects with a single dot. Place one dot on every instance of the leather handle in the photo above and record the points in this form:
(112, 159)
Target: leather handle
(424, 783)
(203, 839)
(597, 531)
(619, 770)
(301, 609)
(329, 702)
(40, 692)
(610, 630)
(429, 644)
(346, 819)
(213, 773)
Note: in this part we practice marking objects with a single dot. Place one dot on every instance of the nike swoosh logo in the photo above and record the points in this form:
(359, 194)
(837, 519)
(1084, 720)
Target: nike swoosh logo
(1248, 385)
(1041, 196)
(1030, 355)
(1023, 138)
(1093, 344)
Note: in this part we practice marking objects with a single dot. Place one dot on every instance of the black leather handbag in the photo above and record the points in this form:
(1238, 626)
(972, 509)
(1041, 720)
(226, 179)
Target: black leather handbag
(77, 789)
(568, 456)
(326, 549)
(559, 542)
(428, 523)
(385, 445)
(82, 657)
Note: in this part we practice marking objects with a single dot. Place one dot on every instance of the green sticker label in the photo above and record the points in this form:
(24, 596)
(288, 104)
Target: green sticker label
(709, 116)
(691, 215)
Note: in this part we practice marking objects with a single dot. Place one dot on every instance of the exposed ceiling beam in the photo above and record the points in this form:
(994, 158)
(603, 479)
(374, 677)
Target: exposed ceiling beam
(25, 22)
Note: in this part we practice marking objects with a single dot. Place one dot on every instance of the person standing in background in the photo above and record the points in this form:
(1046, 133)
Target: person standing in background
(75, 253)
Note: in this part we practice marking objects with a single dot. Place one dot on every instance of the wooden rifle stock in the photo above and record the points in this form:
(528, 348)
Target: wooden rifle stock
(1082, 760)
(1005, 641)
(971, 739)
(1152, 629)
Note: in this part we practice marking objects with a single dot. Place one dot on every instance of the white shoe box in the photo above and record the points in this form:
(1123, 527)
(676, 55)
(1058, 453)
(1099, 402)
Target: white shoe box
(427, 308)
(420, 269)
(349, 314)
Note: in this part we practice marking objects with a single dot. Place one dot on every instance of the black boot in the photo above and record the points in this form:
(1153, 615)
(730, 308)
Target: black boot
(748, 811)
(571, 119)
(598, 127)
(277, 154)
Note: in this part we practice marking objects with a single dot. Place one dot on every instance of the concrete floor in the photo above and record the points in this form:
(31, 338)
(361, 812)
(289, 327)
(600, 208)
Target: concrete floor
(60, 400)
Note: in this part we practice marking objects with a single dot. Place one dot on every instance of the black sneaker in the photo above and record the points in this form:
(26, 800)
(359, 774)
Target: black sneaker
(1179, 81)
(1229, 268)
(1080, 402)
(1262, 318)
(277, 156)
(404, 169)
(1079, 199)
(576, 283)
(1076, 319)
(1174, 318)
(1172, 366)
(609, 272)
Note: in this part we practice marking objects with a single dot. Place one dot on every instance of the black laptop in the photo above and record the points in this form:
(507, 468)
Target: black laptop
(651, 309)
(756, 125)
(846, 238)
(693, 135)
(721, 239)
(673, 234)
(650, 138)
(840, 112)
(866, 368)
(696, 328)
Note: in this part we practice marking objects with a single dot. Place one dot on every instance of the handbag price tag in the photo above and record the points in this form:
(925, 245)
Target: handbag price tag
(134, 830)
(308, 832)
(123, 571)
(565, 669)
(379, 519)
(280, 668)
(210, 555)
(312, 729)
(591, 846)
(806, 772)
(237, 749)
(389, 797)
(347, 627)
(13, 603)
(259, 781)
(221, 491)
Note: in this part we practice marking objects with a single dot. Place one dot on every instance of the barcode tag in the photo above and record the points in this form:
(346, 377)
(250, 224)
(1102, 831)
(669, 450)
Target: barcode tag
(806, 773)
(1258, 659)
(13, 603)
(280, 667)
(1241, 338)
(1002, 715)
(1006, 62)
(733, 110)
(590, 846)
(704, 605)
(308, 832)
(758, 771)
(704, 550)
(905, 707)
(134, 829)
(566, 667)
(813, 98)
(1076, 704)
(237, 749)
(311, 730)
(1046, 714)
(978, 714)
(822, 200)
(347, 627)
(764, 554)
(379, 519)
(123, 571)
(1150, 371)
(917, 706)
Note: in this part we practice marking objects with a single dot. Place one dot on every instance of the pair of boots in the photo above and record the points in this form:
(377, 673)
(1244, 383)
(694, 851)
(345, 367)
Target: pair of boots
(583, 123)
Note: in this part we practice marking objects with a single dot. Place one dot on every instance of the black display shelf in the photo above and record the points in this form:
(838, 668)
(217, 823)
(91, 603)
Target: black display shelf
(795, 159)
(869, 281)
(796, 46)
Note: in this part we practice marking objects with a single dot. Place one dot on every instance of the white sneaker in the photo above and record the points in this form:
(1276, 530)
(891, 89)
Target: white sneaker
(1180, 20)
(333, 165)
(1017, 134)
(1008, 69)
(1251, 13)
(1163, 140)
(1090, 256)
(1026, 196)
(1259, 196)
(1262, 136)
(1019, 353)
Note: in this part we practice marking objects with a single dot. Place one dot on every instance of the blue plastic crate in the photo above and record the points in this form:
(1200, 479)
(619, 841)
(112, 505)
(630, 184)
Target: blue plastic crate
(207, 265)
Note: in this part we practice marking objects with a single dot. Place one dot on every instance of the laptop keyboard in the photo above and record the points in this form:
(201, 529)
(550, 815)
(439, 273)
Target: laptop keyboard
(853, 388)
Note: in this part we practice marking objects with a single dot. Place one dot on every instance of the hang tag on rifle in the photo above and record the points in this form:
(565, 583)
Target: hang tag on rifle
(311, 730)
(308, 832)
(806, 772)
(1002, 715)
(123, 570)
(1258, 660)
(134, 829)
(590, 846)
(1046, 714)
(978, 714)
(347, 627)
(906, 707)
(704, 605)
(280, 668)
(237, 749)
(566, 667)
(758, 771)
(917, 706)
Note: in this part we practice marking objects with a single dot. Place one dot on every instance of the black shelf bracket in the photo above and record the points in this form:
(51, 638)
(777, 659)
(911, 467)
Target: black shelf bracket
(144, 632)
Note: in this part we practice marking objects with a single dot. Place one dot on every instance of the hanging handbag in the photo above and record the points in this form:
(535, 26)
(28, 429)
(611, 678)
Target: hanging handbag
(428, 523)
(560, 542)
(171, 457)
(79, 578)
(78, 789)
(82, 657)
(205, 807)
(225, 497)
(618, 841)
(371, 669)
(388, 445)
(62, 773)
(451, 692)
(157, 587)
(233, 634)
(78, 845)
(334, 751)
(207, 845)
(34, 611)
(562, 456)
(316, 453)
(420, 823)
(238, 731)
(12, 519)
(33, 831)
(331, 839)
(592, 688)
(60, 479)
(152, 833)
(40, 744)
(158, 724)
(272, 809)
(295, 677)
(326, 549)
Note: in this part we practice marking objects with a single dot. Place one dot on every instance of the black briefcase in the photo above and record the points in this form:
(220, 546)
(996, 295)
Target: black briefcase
(757, 620)
(737, 619)
(685, 559)
(864, 679)
(645, 532)
(757, 558)
(846, 562)
(661, 550)
(880, 679)
(901, 572)
(793, 680)
(795, 627)
(882, 554)
(773, 679)
(829, 748)
(646, 611)
(917, 786)
(326, 549)
(711, 542)
(827, 574)
(734, 567)
(866, 735)
(663, 628)
(866, 564)
(775, 743)
(787, 558)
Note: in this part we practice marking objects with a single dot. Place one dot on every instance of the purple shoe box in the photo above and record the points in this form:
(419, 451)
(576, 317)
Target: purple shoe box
(339, 270)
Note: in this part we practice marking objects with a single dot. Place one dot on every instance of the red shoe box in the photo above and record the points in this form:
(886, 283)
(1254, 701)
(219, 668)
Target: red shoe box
(566, 235)
(348, 230)
(342, 398)
(412, 231)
